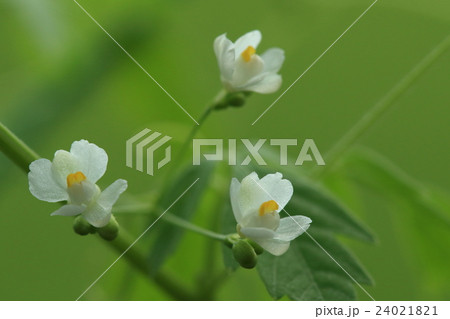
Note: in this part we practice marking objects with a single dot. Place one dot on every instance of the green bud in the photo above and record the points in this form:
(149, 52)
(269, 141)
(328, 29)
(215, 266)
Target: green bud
(231, 240)
(258, 249)
(82, 227)
(244, 254)
(110, 231)
(236, 99)
(221, 105)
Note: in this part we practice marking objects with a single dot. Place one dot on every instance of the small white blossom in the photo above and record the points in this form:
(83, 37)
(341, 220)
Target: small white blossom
(241, 69)
(72, 177)
(256, 204)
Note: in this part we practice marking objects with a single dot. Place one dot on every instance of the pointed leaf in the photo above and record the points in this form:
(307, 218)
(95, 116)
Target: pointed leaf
(306, 271)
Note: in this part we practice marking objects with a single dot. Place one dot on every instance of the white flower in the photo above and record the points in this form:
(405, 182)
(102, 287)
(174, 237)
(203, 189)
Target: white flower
(242, 69)
(71, 177)
(256, 204)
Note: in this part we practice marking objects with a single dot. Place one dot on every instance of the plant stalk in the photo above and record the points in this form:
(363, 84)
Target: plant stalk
(208, 110)
(189, 226)
(170, 218)
(16, 149)
(138, 260)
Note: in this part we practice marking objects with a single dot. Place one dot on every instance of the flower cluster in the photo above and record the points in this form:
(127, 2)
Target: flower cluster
(256, 203)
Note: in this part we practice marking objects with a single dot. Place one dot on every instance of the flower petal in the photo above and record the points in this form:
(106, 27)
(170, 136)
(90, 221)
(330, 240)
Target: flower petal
(93, 159)
(224, 50)
(251, 38)
(245, 72)
(64, 163)
(250, 195)
(256, 191)
(257, 233)
(273, 60)
(274, 246)
(292, 227)
(269, 221)
(111, 194)
(235, 187)
(42, 184)
(83, 193)
(69, 210)
(97, 215)
(280, 189)
(264, 83)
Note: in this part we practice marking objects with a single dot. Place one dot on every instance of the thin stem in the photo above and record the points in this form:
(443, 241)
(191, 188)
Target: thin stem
(208, 110)
(197, 229)
(209, 288)
(141, 208)
(208, 279)
(380, 108)
(22, 156)
(138, 260)
(170, 218)
(166, 177)
(16, 149)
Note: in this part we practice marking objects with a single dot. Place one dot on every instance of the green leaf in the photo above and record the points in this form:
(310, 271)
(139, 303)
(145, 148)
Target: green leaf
(423, 213)
(169, 235)
(379, 174)
(306, 272)
(326, 212)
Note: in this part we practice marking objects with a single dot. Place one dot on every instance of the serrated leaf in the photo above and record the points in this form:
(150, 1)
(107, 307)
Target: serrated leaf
(306, 272)
(169, 235)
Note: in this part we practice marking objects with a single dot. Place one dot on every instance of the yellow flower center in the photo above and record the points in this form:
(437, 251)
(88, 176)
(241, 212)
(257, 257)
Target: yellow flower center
(268, 207)
(248, 53)
(77, 177)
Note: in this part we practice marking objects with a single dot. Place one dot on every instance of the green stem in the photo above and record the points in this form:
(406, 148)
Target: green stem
(197, 229)
(380, 108)
(167, 176)
(138, 260)
(208, 281)
(22, 156)
(208, 110)
(170, 218)
(210, 287)
(16, 149)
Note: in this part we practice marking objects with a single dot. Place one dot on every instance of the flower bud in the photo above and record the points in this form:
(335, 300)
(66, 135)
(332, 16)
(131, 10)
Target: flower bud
(231, 239)
(221, 105)
(236, 99)
(244, 254)
(82, 227)
(110, 231)
(258, 249)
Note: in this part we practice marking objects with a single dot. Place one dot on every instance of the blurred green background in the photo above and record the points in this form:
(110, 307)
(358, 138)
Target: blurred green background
(63, 79)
